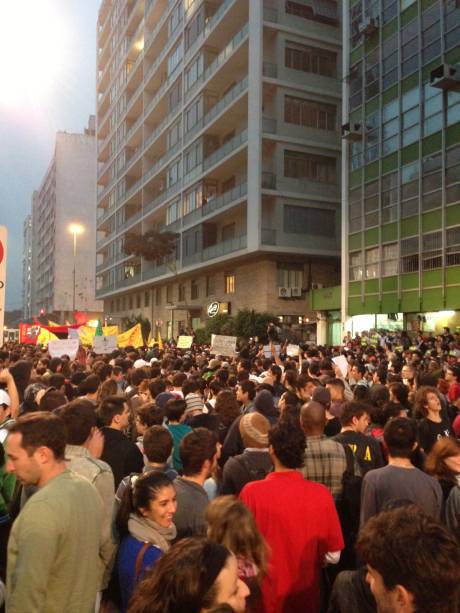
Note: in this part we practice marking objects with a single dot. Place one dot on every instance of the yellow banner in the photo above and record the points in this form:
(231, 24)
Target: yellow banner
(131, 338)
(45, 336)
(87, 333)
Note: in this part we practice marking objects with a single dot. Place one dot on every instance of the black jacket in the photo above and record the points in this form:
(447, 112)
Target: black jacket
(121, 454)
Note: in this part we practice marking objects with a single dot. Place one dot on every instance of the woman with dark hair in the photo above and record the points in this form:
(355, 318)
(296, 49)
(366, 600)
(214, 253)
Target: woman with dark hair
(443, 462)
(145, 524)
(195, 575)
(228, 409)
(434, 424)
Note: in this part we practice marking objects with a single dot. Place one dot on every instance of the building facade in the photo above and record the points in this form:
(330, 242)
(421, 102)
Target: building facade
(66, 196)
(401, 164)
(218, 121)
(27, 268)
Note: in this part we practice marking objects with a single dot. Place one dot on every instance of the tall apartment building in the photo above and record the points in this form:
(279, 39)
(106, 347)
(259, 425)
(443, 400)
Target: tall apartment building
(27, 268)
(401, 164)
(66, 196)
(218, 120)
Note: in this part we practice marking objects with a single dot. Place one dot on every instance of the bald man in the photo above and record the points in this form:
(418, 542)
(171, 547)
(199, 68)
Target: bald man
(325, 460)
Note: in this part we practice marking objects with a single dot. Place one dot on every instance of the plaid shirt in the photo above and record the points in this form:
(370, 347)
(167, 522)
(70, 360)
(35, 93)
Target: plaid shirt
(325, 462)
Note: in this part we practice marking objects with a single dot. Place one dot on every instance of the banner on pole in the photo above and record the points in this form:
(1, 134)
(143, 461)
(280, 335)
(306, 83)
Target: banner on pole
(223, 345)
(58, 348)
(104, 344)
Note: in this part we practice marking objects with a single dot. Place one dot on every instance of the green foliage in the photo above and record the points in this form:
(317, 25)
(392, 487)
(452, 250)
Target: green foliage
(152, 246)
(203, 337)
(245, 324)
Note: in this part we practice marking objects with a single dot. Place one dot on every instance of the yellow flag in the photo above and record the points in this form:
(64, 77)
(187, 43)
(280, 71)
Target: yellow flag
(131, 338)
(45, 336)
(159, 341)
(87, 333)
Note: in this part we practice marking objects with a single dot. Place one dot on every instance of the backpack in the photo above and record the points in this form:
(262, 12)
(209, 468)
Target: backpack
(256, 473)
(349, 506)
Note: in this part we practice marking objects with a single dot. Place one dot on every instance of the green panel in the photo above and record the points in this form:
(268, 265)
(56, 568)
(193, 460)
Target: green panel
(453, 215)
(389, 232)
(453, 297)
(354, 241)
(355, 177)
(453, 134)
(390, 28)
(371, 171)
(371, 286)
(389, 283)
(354, 288)
(427, 3)
(371, 237)
(426, 71)
(453, 56)
(409, 14)
(409, 153)
(452, 275)
(390, 303)
(356, 55)
(372, 304)
(431, 278)
(432, 220)
(390, 162)
(372, 106)
(410, 302)
(356, 116)
(409, 83)
(355, 306)
(326, 299)
(409, 280)
(390, 94)
(432, 300)
(409, 226)
(432, 143)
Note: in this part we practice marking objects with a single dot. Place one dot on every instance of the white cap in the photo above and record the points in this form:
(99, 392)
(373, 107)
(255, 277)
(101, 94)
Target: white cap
(5, 398)
(140, 363)
(154, 361)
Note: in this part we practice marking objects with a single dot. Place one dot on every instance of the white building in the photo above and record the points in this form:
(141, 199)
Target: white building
(27, 268)
(66, 196)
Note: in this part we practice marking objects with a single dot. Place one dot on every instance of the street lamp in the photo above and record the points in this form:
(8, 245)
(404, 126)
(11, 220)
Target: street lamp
(75, 229)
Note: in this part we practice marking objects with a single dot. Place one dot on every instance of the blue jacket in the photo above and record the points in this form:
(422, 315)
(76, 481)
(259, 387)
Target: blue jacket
(127, 554)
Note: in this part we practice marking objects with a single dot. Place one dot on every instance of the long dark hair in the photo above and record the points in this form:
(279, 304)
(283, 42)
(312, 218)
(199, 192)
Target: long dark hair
(140, 490)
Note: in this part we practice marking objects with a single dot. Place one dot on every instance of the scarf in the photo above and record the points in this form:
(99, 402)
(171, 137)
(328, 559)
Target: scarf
(148, 531)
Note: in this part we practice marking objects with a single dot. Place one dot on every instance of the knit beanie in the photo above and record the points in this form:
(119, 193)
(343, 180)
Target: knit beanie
(263, 403)
(254, 429)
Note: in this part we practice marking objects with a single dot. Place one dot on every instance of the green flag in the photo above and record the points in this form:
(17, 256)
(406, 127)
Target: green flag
(99, 331)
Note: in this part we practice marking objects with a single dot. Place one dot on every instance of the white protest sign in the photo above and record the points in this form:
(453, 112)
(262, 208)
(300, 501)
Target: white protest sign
(341, 362)
(184, 342)
(292, 350)
(60, 347)
(223, 345)
(104, 344)
(268, 351)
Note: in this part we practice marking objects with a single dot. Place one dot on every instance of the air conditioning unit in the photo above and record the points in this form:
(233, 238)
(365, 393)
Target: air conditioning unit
(352, 132)
(296, 292)
(284, 292)
(446, 77)
(368, 26)
(317, 286)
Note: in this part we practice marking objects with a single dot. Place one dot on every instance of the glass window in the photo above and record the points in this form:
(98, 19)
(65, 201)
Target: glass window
(194, 289)
(309, 220)
(390, 259)
(300, 165)
(356, 266)
(310, 59)
(432, 250)
(453, 246)
(372, 263)
(229, 282)
(310, 114)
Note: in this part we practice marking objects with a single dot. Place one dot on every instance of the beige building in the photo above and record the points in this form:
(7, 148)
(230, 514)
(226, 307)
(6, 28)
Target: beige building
(219, 121)
(66, 196)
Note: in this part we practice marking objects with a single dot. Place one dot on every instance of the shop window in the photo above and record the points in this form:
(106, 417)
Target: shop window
(229, 282)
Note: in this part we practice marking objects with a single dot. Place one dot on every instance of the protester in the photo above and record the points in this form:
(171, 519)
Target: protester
(175, 414)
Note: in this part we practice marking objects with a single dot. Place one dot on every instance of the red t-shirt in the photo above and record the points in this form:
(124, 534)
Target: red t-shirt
(300, 524)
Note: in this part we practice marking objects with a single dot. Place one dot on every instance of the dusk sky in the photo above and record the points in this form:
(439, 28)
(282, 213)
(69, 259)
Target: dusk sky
(48, 85)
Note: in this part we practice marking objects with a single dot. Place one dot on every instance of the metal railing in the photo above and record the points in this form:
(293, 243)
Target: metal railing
(226, 149)
(162, 89)
(224, 248)
(269, 125)
(270, 70)
(208, 28)
(268, 180)
(239, 191)
(168, 193)
(162, 161)
(170, 44)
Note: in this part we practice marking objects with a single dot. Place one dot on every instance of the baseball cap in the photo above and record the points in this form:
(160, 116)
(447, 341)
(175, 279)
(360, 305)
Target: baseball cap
(5, 398)
(140, 363)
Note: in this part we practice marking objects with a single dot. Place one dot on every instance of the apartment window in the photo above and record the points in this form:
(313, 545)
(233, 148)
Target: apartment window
(310, 59)
(174, 134)
(410, 189)
(310, 114)
(181, 292)
(356, 266)
(372, 263)
(228, 231)
(389, 260)
(299, 165)
(174, 173)
(210, 286)
(174, 59)
(138, 301)
(309, 220)
(194, 113)
(193, 156)
(194, 289)
(290, 275)
(322, 11)
(371, 204)
(193, 199)
(453, 246)
(175, 18)
(194, 71)
(432, 120)
(432, 251)
(158, 296)
(229, 282)
(453, 175)
(410, 254)
(175, 95)
(130, 301)
(169, 294)
(355, 209)
(390, 197)
(173, 212)
(195, 27)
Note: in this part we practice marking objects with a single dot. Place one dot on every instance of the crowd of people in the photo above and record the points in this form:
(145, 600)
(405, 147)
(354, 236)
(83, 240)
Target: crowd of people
(178, 481)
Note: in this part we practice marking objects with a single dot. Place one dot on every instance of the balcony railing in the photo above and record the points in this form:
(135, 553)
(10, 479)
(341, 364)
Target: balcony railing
(104, 241)
(159, 93)
(269, 125)
(137, 278)
(168, 193)
(159, 129)
(150, 37)
(208, 28)
(170, 44)
(268, 180)
(219, 202)
(108, 213)
(225, 150)
(224, 248)
(162, 161)
(270, 70)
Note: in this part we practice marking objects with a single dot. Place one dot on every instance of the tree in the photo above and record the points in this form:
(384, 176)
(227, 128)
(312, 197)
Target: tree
(153, 246)
(251, 323)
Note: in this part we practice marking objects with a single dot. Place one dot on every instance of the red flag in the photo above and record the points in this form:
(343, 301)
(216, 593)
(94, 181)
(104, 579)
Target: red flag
(28, 333)
(80, 318)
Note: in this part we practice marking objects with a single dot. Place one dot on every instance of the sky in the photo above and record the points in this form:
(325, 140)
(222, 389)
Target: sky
(48, 85)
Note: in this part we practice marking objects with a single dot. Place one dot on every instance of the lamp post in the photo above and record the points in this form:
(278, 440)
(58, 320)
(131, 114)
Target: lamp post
(75, 229)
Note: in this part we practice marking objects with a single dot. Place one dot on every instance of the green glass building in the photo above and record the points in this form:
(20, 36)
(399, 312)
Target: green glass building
(401, 163)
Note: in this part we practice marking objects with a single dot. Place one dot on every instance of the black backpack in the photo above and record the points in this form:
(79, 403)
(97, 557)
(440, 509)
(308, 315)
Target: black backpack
(256, 473)
(349, 506)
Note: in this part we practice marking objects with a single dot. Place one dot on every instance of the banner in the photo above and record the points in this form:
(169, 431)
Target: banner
(104, 344)
(341, 362)
(60, 347)
(292, 351)
(45, 336)
(28, 333)
(87, 333)
(184, 342)
(3, 243)
(131, 338)
(223, 345)
(268, 351)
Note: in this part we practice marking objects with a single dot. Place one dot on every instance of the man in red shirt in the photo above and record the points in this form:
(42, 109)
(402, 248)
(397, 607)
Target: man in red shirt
(299, 522)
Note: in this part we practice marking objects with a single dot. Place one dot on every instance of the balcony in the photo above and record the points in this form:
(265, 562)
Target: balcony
(329, 86)
(306, 242)
(150, 37)
(308, 188)
(167, 157)
(208, 28)
(163, 197)
(230, 146)
(102, 242)
(162, 90)
(170, 44)
(137, 278)
(106, 263)
(224, 248)
(108, 213)
(161, 127)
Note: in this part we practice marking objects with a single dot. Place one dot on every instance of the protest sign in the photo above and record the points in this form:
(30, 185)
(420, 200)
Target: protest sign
(104, 344)
(60, 347)
(223, 345)
(184, 342)
(341, 362)
(292, 350)
(268, 351)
